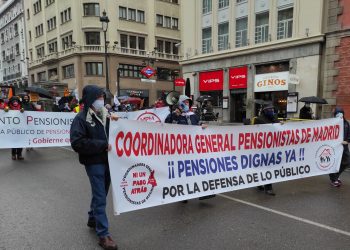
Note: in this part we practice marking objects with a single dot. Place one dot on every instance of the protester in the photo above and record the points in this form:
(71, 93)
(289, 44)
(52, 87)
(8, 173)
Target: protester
(89, 138)
(2, 104)
(27, 106)
(15, 104)
(159, 103)
(267, 116)
(345, 160)
(306, 112)
(184, 116)
(79, 107)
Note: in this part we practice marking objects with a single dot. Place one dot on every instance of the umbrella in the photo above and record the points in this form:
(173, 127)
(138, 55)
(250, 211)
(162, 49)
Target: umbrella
(313, 99)
(40, 91)
(262, 102)
(188, 88)
(203, 98)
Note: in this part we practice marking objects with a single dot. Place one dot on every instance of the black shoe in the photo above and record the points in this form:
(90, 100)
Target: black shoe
(184, 201)
(270, 192)
(91, 223)
(260, 188)
(207, 197)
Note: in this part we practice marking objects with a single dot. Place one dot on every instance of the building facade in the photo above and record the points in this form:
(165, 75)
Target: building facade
(66, 44)
(13, 69)
(247, 52)
(336, 60)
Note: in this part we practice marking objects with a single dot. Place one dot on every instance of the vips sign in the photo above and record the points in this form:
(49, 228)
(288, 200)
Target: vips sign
(51, 129)
(238, 77)
(179, 82)
(152, 164)
(271, 82)
(212, 80)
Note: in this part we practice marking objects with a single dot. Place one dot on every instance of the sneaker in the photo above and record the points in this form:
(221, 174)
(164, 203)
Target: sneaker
(335, 183)
(91, 223)
(20, 157)
(270, 192)
(14, 157)
(206, 197)
(107, 243)
(260, 188)
(339, 181)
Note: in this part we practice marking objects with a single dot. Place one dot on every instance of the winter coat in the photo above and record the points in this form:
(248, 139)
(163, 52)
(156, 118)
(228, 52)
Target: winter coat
(89, 133)
(263, 119)
(188, 118)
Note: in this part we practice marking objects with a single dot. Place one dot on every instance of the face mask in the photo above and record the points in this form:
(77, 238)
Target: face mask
(98, 104)
(184, 107)
(339, 115)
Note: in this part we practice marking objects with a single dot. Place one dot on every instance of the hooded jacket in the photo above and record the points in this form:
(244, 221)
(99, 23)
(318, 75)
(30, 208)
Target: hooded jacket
(346, 124)
(89, 133)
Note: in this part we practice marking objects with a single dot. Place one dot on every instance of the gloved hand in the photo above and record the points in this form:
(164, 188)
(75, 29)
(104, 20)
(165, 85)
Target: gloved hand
(6, 109)
(22, 110)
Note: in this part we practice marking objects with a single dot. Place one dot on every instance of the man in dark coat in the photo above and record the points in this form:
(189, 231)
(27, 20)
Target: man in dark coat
(89, 137)
(306, 112)
(345, 160)
(267, 116)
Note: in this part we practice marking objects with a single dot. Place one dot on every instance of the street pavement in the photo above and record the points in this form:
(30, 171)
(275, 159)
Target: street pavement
(44, 201)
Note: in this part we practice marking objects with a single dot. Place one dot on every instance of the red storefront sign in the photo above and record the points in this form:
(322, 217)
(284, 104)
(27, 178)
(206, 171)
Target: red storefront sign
(238, 77)
(148, 72)
(211, 80)
(180, 82)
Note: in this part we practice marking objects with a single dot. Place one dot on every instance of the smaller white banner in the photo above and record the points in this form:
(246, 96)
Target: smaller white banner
(271, 82)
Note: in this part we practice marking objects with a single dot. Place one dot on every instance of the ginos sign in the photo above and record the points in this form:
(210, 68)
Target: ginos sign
(271, 82)
(212, 80)
(238, 77)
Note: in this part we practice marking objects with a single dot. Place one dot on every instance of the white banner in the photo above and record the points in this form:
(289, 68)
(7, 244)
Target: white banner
(277, 81)
(155, 164)
(34, 129)
(50, 129)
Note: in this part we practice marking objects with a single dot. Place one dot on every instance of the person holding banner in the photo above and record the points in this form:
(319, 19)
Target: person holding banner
(15, 104)
(267, 116)
(89, 138)
(345, 160)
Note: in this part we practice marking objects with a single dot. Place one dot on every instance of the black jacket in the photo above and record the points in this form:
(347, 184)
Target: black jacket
(183, 119)
(346, 131)
(89, 136)
(263, 119)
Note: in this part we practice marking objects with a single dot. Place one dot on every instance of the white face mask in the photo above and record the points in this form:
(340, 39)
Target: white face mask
(98, 104)
(339, 115)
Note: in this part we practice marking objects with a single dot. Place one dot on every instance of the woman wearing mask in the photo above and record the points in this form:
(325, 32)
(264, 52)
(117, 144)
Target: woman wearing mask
(306, 112)
(345, 160)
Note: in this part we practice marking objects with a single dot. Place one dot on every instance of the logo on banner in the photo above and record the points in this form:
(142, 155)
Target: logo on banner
(138, 183)
(148, 117)
(325, 157)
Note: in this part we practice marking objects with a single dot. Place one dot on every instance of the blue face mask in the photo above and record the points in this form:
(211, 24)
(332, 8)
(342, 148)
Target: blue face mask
(184, 107)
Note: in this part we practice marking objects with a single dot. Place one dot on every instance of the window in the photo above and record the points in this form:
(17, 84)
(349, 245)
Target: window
(241, 1)
(42, 76)
(49, 2)
(132, 45)
(175, 49)
(94, 68)
(91, 9)
(167, 47)
(160, 46)
(30, 36)
(132, 14)
(92, 38)
(16, 29)
(141, 43)
(167, 21)
(206, 6)
(262, 28)
(206, 40)
(66, 15)
(52, 47)
(285, 23)
(223, 3)
(37, 7)
(3, 55)
(159, 20)
(124, 41)
(175, 23)
(67, 42)
(3, 38)
(128, 70)
(140, 16)
(40, 51)
(39, 30)
(17, 49)
(51, 24)
(241, 32)
(68, 71)
(223, 36)
(164, 74)
(28, 14)
(122, 13)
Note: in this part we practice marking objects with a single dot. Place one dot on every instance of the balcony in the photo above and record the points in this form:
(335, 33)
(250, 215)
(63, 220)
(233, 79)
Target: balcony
(50, 58)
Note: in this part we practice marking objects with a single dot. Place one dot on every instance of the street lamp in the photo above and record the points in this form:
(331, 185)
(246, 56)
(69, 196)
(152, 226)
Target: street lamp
(105, 20)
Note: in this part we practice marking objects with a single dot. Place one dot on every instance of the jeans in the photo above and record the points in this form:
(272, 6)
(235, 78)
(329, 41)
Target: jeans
(99, 180)
(17, 151)
(345, 163)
